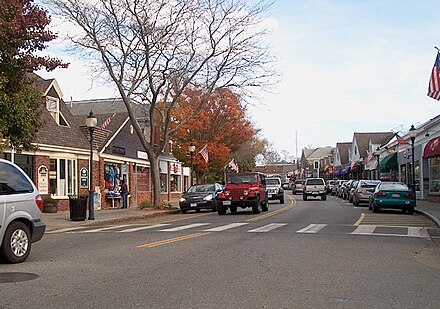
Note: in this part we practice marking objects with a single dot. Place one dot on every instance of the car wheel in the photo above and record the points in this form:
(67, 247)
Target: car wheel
(293, 192)
(233, 209)
(369, 205)
(282, 200)
(183, 211)
(221, 209)
(214, 207)
(324, 197)
(16, 243)
(304, 197)
(197, 210)
(256, 207)
(265, 206)
(375, 208)
(410, 211)
(356, 202)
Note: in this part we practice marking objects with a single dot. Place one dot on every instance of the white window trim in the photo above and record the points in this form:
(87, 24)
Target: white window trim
(56, 110)
(74, 175)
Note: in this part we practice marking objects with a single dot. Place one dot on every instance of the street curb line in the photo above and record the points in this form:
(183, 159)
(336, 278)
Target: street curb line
(429, 216)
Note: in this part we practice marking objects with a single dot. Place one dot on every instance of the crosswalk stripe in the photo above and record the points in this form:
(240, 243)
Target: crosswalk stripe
(312, 228)
(418, 232)
(364, 230)
(67, 229)
(225, 227)
(267, 228)
(105, 229)
(144, 228)
(184, 227)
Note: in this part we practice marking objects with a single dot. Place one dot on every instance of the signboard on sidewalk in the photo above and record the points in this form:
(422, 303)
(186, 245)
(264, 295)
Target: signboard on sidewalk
(43, 179)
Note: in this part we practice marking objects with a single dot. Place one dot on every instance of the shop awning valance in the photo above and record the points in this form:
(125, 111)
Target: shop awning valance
(432, 149)
(388, 162)
(336, 173)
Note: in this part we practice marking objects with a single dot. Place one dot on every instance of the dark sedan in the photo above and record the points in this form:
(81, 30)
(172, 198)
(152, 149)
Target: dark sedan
(200, 197)
(393, 195)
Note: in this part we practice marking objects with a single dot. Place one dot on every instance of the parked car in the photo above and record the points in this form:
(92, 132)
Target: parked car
(392, 195)
(274, 189)
(345, 188)
(286, 186)
(363, 190)
(200, 197)
(314, 187)
(332, 186)
(20, 213)
(298, 186)
(350, 190)
(340, 188)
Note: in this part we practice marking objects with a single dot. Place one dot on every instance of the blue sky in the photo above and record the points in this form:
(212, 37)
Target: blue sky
(346, 66)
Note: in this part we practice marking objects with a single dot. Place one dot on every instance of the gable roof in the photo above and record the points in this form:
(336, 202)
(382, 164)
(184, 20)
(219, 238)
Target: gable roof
(321, 152)
(343, 151)
(362, 140)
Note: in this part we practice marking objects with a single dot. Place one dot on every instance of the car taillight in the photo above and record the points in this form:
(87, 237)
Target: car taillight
(409, 195)
(379, 194)
(39, 202)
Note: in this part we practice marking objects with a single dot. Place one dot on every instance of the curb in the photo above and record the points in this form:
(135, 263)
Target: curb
(429, 216)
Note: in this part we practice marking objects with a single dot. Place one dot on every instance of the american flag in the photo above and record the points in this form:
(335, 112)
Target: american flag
(107, 122)
(434, 82)
(233, 165)
(204, 153)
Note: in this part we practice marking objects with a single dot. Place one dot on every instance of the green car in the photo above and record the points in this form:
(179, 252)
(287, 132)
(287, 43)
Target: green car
(393, 195)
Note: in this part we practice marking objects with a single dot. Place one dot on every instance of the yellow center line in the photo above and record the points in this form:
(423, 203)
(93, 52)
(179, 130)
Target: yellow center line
(171, 240)
(275, 212)
(361, 218)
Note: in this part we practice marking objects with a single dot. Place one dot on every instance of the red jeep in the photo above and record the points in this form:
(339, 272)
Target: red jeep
(243, 190)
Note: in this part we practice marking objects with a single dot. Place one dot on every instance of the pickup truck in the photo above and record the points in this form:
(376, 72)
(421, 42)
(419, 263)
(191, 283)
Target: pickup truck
(314, 187)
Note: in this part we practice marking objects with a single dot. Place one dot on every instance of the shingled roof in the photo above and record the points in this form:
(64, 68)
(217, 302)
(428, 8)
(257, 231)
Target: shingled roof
(362, 140)
(343, 151)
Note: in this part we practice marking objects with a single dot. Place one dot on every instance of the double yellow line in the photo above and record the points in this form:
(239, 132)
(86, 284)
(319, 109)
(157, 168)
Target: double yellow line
(172, 240)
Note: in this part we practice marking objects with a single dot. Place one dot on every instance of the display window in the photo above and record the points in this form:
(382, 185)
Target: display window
(176, 183)
(163, 182)
(434, 174)
(62, 177)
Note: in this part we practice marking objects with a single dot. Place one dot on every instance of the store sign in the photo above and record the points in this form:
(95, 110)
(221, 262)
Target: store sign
(84, 178)
(176, 168)
(43, 180)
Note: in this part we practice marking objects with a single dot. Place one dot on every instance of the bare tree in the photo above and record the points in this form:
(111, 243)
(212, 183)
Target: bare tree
(153, 50)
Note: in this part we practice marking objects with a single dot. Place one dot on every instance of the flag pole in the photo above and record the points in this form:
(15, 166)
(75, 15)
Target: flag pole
(437, 48)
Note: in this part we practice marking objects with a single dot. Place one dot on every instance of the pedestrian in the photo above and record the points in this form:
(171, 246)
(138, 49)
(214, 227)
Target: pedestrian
(124, 192)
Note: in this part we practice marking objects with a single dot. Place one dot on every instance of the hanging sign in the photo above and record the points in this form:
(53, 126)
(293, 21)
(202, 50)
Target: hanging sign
(84, 177)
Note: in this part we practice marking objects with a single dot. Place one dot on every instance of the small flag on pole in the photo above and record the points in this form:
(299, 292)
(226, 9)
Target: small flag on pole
(233, 165)
(107, 122)
(434, 82)
(204, 153)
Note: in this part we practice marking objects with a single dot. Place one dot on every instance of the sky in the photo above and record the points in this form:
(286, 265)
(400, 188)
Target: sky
(346, 66)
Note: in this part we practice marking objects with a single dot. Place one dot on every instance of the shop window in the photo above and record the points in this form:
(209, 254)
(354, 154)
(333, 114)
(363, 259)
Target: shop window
(112, 177)
(175, 183)
(403, 173)
(143, 178)
(163, 183)
(434, 174)
(62, 177)
(186, 183)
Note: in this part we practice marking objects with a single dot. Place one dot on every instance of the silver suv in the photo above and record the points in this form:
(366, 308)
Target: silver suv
(274, 189)
(20, 213)
(314, 187)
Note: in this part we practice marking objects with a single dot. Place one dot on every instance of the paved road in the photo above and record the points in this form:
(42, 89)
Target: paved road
(303, 254)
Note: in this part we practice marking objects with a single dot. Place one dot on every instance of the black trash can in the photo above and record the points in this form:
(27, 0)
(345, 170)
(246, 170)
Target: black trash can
(78, 207)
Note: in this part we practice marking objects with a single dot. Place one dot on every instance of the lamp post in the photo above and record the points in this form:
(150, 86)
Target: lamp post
(91, 123)
(377, 154)
(192, 151)
(412, 134)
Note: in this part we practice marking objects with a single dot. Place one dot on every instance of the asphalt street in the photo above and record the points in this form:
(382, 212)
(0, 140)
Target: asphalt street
(301, 254)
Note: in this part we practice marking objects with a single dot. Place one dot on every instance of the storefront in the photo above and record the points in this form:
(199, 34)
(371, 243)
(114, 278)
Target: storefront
(114, 173)
(388, 168)
(431, 153)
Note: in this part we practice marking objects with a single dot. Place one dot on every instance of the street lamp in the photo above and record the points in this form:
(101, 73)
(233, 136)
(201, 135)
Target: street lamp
(91, 123)
(412, 134)
(192, 151)
(377, 154)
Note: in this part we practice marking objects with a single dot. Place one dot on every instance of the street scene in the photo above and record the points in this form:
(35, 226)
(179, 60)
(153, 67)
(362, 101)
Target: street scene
(219, 154)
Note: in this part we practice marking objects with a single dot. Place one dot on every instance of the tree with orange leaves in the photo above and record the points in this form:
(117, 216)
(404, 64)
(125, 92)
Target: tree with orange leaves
(223, 126)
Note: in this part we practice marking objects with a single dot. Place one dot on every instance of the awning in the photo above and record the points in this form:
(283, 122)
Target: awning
(388, 162)
(336, 172)
(432, 148)
(344, 171)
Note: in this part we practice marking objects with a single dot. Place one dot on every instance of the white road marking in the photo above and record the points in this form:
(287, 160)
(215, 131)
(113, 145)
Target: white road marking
(105, 229)
(364, 230)
(68, 229)
(418, 232)
(184, 227)
(312, 228)
(144, 228)
(225, 227)
(267, 228)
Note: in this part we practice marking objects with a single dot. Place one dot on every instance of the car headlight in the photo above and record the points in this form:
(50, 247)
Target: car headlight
(208, 198)
(182, 199)
(226, 192)
(245, 192)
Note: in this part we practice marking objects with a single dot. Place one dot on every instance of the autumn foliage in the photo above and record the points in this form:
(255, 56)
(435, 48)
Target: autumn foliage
(222, 125)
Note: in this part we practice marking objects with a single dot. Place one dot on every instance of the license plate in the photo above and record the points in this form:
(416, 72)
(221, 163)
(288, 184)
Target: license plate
(269, 195)
(395, 195)
(193, 204)
(226, 202)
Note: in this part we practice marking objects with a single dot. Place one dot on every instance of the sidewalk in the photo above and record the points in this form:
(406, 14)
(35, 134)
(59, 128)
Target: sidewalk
(430, 210)
(61, 220)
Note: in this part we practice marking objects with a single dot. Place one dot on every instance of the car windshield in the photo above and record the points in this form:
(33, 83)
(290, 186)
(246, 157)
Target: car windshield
(273, 181)
(247, 178)
(315, 182)
(333, 182)
(369, 184)
(393, 186)
(201, 188)
(299, 182)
